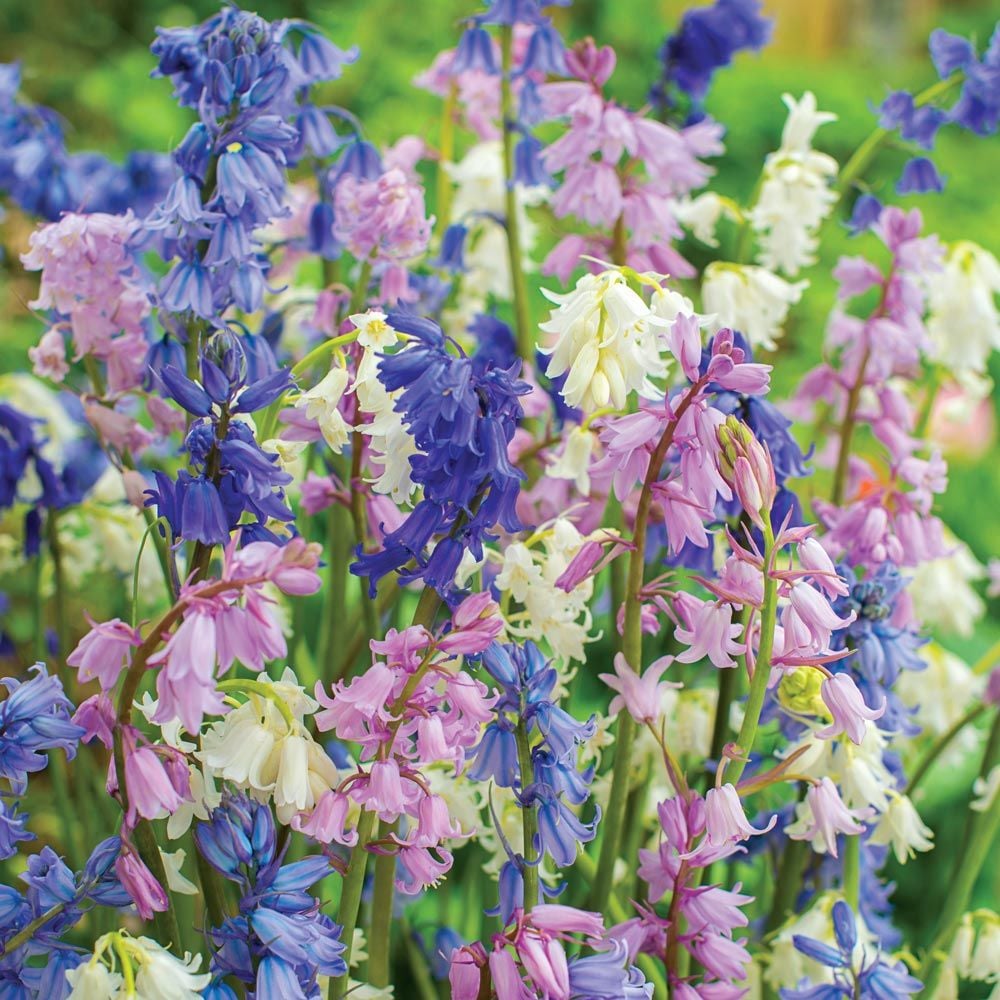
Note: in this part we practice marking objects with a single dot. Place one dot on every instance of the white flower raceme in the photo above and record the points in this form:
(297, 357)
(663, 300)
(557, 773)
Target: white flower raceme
(750, 299)
(93, 981)
(256, 749)
(900, 827)
(984, 965)
(942, 693)
(964, 324)
(322, 403)
(391, 444)
(158, 975)
(795, 195)
(942, 594)
(608, 342)
(554, 619)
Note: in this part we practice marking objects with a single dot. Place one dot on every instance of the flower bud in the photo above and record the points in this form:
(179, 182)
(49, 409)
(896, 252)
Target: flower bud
(746, 466)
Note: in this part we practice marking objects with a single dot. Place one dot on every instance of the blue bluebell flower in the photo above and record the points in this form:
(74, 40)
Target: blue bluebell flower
(919, 176)
(462, 413)
(34, 721)
(866, 212)
(280, 942)
(451, 255)
(474, 52)
(525, 695)
(876, 979)
(880, 650)
(705, 41)
(39, 175)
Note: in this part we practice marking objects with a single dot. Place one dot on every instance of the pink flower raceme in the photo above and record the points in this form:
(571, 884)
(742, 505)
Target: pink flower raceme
(383, 220)
(823, 816)
(227, 620)
(413, 707)
(139, 882)
(530, 960)
(725, 820)
(89, 276)
(710, 913)
(616, 164)
(157, 778)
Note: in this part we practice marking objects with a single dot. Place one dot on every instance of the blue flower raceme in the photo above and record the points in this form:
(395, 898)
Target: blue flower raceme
(462, 413)
(976, 110)
(249, 80)
(705, 41)
(867, 978)
(231, 476)
(882, 648)
(527, 682)
(280, 941)
(37, 967)
(43, 178)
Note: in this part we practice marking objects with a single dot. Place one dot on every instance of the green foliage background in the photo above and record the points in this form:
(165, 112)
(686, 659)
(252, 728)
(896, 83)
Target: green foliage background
(91, 62)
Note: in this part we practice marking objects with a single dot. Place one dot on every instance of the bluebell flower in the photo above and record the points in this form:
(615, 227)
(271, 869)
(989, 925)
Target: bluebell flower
(279, 942)
(451, 255)
(978, 105)
(705, 41)
(607, 975)
(919, 176)
(529, 168)
(545, 53)
(34, 721)
(526, 683)
(876, 979)
(495, 342)
(880, 650)
(474, 52)
(42, 178)
(13, 829)
(462, 413)
(866, 212)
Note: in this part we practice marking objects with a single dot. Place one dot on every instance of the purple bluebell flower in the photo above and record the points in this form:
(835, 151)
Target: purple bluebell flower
(475, 52)
(450, 256)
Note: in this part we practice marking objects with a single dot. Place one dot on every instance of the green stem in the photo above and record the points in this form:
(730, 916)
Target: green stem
(851, 881)
(522, 318)
(988, 660)
(165, 925)
(762, 667)
(614, 817)
(338, 552)
(350, 900)
(27, 933)
(212, 889)
(242, 685)
(864, 154)
(529, 818)
(940, 745)
(980, 831)
(380, 931)
(788, 883)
